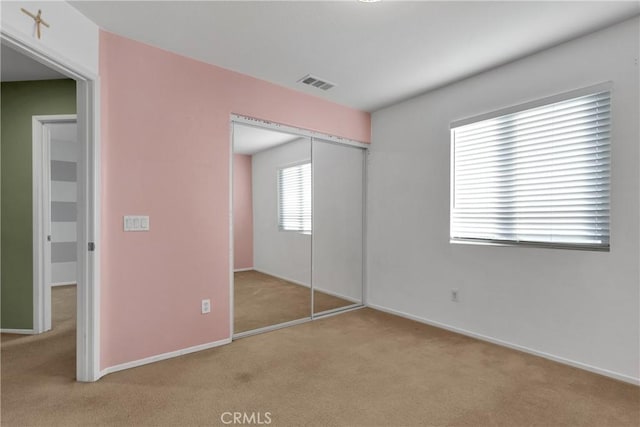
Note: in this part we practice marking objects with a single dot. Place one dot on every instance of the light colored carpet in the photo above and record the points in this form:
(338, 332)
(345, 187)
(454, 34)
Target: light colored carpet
(262, 300)
(51, 354)
(361, 368)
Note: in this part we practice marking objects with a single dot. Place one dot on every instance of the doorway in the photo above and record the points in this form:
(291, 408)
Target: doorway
(55, 198)
(86, 335)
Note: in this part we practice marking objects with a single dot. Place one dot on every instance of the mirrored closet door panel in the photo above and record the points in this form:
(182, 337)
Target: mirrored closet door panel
(271, 227)
(338, 202)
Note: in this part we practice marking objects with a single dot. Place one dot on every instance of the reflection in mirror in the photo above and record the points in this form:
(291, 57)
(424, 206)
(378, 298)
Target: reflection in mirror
(338, 201)
(271, 226)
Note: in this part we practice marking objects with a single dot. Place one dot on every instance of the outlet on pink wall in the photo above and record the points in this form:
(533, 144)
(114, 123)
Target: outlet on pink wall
(165, 153)
(242, 212)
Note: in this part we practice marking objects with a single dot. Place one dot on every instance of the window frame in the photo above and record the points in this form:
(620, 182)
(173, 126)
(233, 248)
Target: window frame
(602, 87)
(278, 196)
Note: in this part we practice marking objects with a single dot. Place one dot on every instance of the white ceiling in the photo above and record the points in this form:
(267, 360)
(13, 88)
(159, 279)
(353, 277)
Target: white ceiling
(376, 53)
(14, 67)
(251, 140)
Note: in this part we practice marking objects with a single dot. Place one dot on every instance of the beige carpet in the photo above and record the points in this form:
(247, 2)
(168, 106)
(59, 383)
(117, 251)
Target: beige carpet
(51, 354)
(361, 368)
(262, 300)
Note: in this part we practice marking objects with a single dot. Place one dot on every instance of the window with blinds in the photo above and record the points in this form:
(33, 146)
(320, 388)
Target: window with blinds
(537, 176)
(294, 198)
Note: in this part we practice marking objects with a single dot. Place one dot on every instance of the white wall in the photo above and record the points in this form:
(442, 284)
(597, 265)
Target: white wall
(284, 254)
(71, 35)
(576, 306)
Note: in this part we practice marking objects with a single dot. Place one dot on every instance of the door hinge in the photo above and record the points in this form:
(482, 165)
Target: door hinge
(92, 246)
(49, 238)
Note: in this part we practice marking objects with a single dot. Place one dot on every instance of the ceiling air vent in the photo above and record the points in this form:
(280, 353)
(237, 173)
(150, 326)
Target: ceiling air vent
(314, 81)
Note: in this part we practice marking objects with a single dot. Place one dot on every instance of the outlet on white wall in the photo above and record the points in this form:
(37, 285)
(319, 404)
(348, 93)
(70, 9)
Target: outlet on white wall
(454, 295)
(206, 306)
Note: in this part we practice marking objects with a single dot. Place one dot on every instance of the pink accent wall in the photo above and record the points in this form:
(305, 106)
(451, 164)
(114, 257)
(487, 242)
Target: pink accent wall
(165, 153)
(242, 212)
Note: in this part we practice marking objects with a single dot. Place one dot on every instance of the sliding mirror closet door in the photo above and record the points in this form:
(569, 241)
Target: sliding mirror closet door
(338, 201)
(272, 228)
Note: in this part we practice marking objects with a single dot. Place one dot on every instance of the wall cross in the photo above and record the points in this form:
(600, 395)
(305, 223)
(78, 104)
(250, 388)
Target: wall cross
(37, 18)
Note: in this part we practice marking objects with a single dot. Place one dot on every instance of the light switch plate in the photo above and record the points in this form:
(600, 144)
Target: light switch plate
(136, 223)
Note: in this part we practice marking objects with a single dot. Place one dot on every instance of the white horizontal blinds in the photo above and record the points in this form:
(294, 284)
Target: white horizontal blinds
(539, 175)
(294, 198)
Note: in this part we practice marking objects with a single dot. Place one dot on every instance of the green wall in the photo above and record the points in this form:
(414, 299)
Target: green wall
(19, 101)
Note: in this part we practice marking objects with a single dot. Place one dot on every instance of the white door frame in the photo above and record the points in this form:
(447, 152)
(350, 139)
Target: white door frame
(41, 179)
(88, 221)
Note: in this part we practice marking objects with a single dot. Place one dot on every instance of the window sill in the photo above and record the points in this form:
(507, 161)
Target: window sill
(565, 246)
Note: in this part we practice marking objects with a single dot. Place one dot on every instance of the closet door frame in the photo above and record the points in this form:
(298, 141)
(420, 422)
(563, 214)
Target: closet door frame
(312, 135)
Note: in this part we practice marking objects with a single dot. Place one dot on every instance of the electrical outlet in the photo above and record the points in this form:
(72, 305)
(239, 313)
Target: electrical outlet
(454, 295)
(206, 306)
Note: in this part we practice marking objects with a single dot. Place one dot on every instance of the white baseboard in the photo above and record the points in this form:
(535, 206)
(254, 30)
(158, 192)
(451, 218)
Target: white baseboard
(559, 359)
(277, 276)
(324, 291)
(242, 269)
(62, 284)
(337, 295)
(17, 331)
(163, 356)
